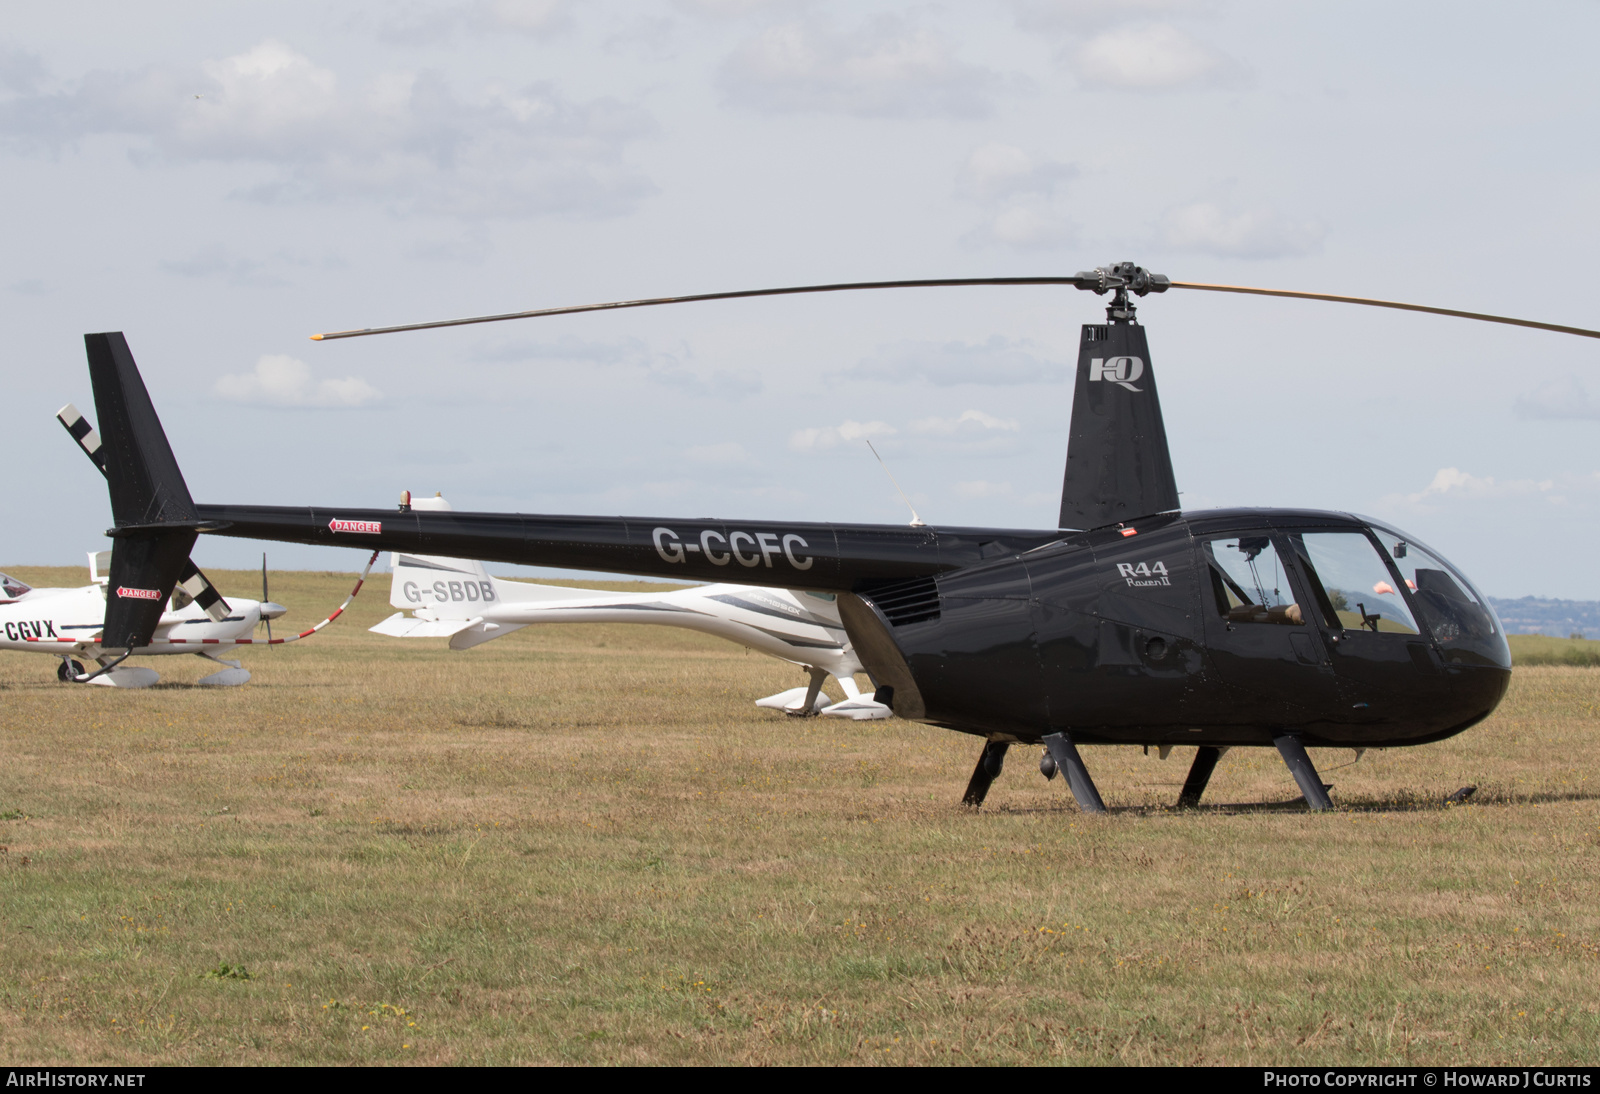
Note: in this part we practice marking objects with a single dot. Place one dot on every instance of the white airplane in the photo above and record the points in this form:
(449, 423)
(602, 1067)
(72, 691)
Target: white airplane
(458, 599)
(66, 623)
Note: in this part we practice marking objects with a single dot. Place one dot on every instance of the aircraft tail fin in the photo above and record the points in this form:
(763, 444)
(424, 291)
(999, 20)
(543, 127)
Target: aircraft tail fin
(154, 516)
(1118, 465)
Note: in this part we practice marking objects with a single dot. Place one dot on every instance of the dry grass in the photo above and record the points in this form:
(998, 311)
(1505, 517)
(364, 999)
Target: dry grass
(584, 844)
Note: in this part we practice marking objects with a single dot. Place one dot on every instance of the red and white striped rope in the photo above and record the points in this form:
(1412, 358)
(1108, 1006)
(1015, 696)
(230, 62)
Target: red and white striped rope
(337, 612)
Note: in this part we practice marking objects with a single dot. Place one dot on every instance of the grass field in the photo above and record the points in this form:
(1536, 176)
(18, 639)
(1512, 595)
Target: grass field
(586, 845)
(1539, 649)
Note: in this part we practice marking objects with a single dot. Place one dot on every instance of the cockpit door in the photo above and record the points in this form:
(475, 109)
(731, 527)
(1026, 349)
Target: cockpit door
(1258, 634)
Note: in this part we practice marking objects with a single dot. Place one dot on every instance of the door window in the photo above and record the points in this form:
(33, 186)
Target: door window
(1358, 586)
(1248, 582)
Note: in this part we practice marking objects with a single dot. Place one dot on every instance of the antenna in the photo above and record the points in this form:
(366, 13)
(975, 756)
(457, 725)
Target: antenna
(916, 521)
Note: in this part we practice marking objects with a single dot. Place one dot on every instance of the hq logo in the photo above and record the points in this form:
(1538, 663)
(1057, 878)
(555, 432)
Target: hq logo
(1122, 371)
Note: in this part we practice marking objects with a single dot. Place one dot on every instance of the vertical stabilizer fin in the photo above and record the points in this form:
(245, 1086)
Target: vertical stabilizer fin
(1118, 466)
(155, 519)
(146, 485)
(195, 585)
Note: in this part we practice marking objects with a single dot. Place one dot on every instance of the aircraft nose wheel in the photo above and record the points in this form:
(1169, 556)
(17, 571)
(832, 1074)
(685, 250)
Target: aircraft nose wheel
(68, 671)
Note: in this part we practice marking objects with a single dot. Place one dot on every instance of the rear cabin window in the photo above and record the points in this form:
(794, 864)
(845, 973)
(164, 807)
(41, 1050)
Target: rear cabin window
(1358, 587)
(12, 587)
(1248, 583)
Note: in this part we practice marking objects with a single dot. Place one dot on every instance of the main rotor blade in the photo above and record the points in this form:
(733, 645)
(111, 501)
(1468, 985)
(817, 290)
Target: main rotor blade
(924, 283)
(1557, 327)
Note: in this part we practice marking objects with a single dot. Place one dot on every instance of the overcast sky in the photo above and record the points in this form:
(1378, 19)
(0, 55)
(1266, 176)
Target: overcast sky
(220, 181)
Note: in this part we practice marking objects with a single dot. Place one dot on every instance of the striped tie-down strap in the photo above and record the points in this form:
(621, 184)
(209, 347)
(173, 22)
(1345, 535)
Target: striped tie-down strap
(191, 581)
(336, 613)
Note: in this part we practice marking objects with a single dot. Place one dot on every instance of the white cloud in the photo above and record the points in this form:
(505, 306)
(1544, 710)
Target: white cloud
(1557, 399)
(970, 421)
(1151, 57)
(979, 488)
(998, 360)
(1454, 482)
(1257, 233)
(1018, 188)
(1023, 227)
(20, 71)
(831, 436)
(885, 69)
(280, 380)
(998, 171)
(405, 139)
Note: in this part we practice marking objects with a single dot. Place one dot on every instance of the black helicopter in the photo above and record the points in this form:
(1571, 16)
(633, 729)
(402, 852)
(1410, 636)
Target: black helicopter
(1130, 623)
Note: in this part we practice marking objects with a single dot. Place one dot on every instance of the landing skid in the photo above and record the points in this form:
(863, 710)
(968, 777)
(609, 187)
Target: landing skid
(1304, 772)
(1067, 760)
(990, 762)
(231, 676)
(1205, 762)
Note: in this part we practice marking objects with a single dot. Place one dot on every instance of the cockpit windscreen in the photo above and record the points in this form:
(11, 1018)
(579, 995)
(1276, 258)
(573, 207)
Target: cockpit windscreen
(1459, 619)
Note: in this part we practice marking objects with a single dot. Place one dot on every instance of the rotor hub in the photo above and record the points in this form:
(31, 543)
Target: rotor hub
(1120, 279)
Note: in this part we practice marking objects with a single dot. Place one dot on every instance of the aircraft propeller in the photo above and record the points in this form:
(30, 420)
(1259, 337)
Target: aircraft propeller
(269, 610)
(1119, 279)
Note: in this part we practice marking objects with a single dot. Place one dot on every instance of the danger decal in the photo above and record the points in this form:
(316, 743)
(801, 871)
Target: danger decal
(365, 527)
(127, 593)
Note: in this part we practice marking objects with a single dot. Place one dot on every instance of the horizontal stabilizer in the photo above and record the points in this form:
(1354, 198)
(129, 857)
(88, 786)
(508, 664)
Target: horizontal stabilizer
(400, 625)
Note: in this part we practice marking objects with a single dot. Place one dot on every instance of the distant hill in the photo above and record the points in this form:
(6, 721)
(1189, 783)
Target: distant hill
(1561, 618)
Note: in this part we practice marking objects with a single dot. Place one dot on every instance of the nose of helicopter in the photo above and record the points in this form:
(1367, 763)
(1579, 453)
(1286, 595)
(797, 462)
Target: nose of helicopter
(269, 610)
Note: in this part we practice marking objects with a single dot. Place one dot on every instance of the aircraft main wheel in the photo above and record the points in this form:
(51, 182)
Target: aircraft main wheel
(68, 671)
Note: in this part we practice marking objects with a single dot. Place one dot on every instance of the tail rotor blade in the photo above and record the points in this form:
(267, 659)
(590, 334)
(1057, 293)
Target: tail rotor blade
(205, 594)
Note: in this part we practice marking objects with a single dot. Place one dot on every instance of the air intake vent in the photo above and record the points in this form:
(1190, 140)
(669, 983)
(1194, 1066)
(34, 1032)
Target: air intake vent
(912, 601)
(1095, 334)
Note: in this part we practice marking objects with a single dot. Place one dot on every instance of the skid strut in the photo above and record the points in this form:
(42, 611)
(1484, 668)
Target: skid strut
(1304, 772)
(1205, 762)
(990, 762)
(1065, 754)
(808, 708)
